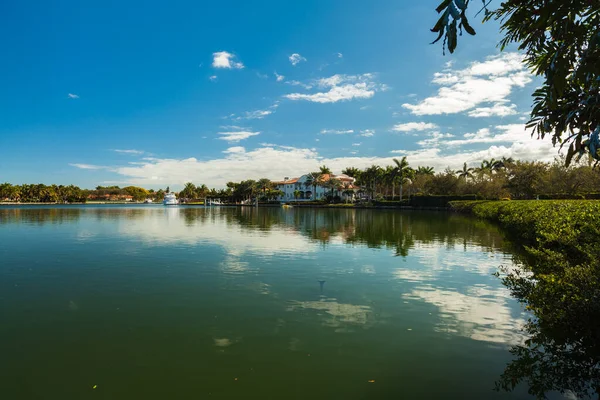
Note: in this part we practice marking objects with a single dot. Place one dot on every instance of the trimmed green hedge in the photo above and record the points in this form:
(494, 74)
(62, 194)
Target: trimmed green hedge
(558, 234)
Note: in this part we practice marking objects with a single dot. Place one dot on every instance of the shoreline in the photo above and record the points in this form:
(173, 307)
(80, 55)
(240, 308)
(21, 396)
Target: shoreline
(320, 206)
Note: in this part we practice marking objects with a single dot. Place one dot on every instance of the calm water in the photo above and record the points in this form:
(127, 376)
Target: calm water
(151, 302)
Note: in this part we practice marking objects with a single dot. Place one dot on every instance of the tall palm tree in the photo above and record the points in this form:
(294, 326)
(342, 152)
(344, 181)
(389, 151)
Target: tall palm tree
(313, 180)
(264, 184)
(332, 184)
(352, 172)
(465, 172)
(370, 176)
(325, 170)
(404, 172)
(189, 191)
(348, 191)
(296, 194)
(389, 178)
(425, 171)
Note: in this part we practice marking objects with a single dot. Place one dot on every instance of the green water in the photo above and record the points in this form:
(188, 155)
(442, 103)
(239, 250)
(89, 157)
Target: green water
(151, 302)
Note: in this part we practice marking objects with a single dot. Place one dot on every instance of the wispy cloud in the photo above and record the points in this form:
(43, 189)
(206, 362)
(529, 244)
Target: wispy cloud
(224, 59)
(296, 58)
(72, 96)
(131, 151)
(356, 144)
(490, 81)
(336, 132)
(306, 86)
(87, 166)
(413, 126)
(236, 135)
(212, 78)
(278, 77)
(340, 55)
(340, 88)
(367, 133)
(256, 114)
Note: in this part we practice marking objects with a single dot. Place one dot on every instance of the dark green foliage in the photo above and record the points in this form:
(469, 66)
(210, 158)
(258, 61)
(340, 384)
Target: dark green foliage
(560, 285)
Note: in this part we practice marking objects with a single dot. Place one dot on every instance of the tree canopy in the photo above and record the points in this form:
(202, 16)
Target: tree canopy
(560, 41)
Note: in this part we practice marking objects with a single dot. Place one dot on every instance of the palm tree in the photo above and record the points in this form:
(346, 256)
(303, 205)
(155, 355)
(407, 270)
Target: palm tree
(325, 170)
(352, 172)
(484, 169)
(465, 172)
(264, 184)
(425, 171)
(404, 172)
(188, 192)
(312, 180)
(348, 191)
(369, 177)
(389, 177)
(332, 184)
(296, 194)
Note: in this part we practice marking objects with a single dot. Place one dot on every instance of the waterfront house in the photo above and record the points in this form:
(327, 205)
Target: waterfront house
(288, 186)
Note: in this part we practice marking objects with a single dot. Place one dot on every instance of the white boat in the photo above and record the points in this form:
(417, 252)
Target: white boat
(148, 201)
(170, 200)
(214, 202)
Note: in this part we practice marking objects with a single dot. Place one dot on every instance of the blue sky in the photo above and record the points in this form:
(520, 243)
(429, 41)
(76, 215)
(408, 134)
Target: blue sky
(160, 93)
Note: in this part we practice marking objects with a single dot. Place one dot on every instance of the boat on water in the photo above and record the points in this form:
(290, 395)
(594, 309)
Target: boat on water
(170, 200)
(148, 201)
(214, 202)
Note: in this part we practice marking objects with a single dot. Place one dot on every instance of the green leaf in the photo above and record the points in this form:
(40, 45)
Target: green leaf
(443, 5)
(468, 28)
(452, 37)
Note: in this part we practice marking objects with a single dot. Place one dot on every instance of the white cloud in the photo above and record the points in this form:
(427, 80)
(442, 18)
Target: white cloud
(434, 139)
(223, 59)
(298, 83)
(129, 151)
(336, 131)
(275, 162)
(367, 133)
(235, 150)
(73, 96)
(513, 133)
(413, 126)
(296, 58)
(87, 166)
(256, 114)
(212, 78)
(356, 144)
(498, 109)
(278, 77)
(487, 82)
(237, 135)
(340, 88)
(340, 55)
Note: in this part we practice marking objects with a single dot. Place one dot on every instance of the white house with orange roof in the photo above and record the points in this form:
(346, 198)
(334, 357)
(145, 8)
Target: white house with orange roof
(292, 186)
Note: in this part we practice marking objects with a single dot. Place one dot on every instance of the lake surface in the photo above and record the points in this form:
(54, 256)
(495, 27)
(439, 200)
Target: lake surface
(149, 302)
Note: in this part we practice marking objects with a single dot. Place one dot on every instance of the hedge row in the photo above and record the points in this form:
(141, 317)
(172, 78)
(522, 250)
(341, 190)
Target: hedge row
(566, 231)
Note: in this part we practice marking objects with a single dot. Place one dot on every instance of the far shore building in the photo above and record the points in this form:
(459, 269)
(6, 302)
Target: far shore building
(289, 186)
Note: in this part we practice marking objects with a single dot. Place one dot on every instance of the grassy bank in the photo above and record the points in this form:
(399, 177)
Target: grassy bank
(560, 240)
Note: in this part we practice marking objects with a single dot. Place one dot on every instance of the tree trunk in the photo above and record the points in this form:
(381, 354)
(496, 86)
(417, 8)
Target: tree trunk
(393, 190)
(400, 191)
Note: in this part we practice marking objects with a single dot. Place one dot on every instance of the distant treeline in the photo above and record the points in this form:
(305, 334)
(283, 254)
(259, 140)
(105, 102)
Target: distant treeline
(40, 193)
(504, 178)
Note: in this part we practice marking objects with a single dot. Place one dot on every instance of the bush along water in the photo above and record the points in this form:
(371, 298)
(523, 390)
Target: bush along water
(560, 285)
